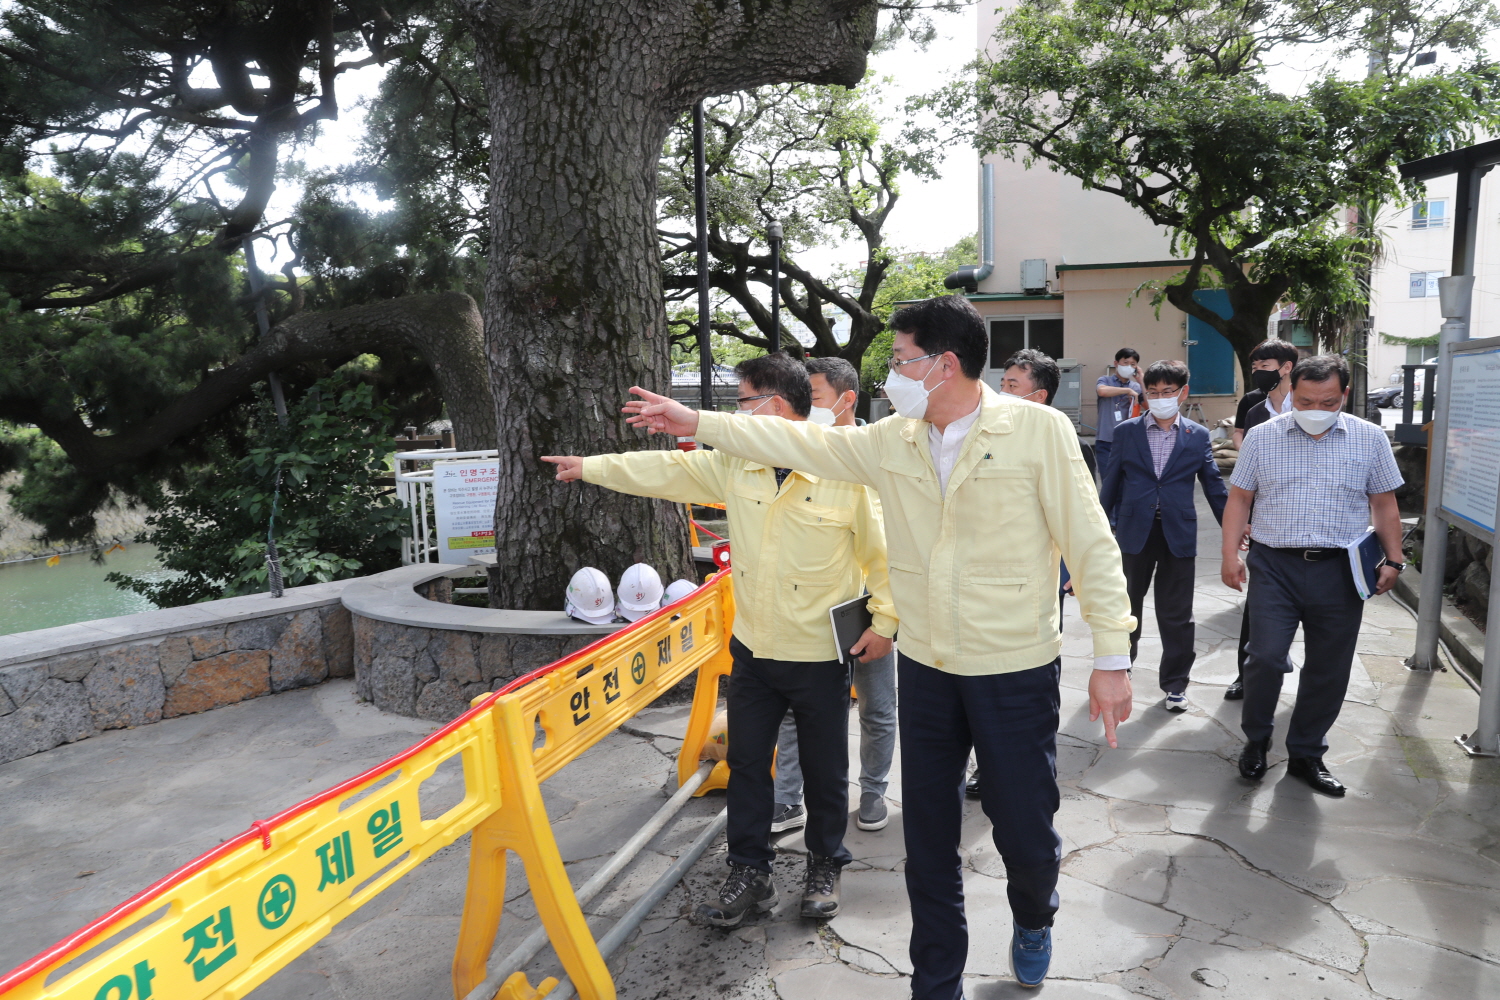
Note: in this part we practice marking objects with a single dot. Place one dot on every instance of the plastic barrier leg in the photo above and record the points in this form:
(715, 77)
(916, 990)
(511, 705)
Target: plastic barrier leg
(517, 988)
(521, 825)
(701, 719)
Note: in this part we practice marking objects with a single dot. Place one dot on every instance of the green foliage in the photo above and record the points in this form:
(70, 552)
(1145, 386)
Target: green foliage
(1169, 105)
(911, 277)
(331, 521)
(1431, 340)
(137, 148)
(21, 447)
(726, 349)
(828, 164)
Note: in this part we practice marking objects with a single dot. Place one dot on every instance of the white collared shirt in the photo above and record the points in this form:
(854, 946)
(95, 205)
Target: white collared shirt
(947, 443)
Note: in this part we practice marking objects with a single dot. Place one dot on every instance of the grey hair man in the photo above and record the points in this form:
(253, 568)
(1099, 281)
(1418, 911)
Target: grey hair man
(835, 390)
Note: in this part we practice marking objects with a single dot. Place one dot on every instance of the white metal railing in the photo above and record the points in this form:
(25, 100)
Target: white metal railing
(414, 490)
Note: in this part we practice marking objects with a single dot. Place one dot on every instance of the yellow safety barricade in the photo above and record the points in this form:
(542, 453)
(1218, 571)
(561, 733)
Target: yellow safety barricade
(227, 921)
(556, 716)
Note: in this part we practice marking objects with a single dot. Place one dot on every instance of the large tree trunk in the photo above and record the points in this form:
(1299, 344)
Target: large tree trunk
(581, 95)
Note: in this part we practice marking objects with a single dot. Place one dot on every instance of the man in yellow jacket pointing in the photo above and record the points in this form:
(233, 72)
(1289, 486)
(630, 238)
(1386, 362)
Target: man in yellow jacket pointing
(802, 544)
(981, 494)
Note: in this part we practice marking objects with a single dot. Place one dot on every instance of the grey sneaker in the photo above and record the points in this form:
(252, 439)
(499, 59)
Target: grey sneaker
(744, 890)
(872, 812)
(788, 818)
(820, 893)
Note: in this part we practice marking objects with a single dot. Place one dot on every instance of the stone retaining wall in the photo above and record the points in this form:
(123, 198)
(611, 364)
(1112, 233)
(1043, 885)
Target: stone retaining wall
(409, 650)
(416, 653)
(432, 673)
(68, 683)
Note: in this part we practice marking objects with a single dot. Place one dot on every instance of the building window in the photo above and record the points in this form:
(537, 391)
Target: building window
(1041, 333)
(1429, 214)
(1418, 355)
(1423, 284)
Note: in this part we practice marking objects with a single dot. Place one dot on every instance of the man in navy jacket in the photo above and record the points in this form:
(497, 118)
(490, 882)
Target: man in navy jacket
(1148, 494)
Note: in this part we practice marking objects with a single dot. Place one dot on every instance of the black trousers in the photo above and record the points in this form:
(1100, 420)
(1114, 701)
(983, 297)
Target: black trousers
(1174, 605)
(1320, 596)
(760, 692)
(1010, 721)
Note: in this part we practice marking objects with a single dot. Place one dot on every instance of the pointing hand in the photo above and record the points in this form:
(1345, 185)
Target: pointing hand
(660, 414)
(569, 467)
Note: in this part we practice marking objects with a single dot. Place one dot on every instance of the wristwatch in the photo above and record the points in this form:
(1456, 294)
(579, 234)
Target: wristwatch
(1397, 566)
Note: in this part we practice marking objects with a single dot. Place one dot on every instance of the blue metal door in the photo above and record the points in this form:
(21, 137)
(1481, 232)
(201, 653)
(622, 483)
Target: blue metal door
(1210, 358)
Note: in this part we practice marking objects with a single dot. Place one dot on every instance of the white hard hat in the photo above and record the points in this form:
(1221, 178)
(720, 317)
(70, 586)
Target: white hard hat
(589, 597)
(677, 590)
(640, 592)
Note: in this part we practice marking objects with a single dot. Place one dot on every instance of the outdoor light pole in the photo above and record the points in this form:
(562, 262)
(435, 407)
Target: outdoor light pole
(773, 236)
(700, 196)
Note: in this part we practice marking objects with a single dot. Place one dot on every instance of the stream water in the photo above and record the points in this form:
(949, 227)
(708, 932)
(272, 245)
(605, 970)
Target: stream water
(34, 595)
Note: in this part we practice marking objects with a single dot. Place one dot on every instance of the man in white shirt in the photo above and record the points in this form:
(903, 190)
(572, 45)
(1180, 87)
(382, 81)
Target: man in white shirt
(982, 494)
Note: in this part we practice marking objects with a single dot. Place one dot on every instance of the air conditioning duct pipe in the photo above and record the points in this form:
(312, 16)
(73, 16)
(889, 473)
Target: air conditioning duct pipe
(969, 277)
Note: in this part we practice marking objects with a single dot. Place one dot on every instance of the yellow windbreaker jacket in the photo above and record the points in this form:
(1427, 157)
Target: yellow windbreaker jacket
(973, 573)
(797, 551)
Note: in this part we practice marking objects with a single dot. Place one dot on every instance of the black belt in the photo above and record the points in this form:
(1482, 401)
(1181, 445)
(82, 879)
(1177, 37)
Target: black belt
(1311, 555)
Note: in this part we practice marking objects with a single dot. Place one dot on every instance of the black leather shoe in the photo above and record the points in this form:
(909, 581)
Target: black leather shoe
(971, 787)
(1312, 771)
(1235, 691)
(1253, 759)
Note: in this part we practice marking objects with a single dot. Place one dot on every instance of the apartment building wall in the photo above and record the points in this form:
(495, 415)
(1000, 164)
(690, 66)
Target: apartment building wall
(1106, 250)
(1417, 246)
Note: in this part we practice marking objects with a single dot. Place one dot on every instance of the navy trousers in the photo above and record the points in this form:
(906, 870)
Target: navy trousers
(1320, 596)
(760, 692)
(1101, 456)
(1010, 721)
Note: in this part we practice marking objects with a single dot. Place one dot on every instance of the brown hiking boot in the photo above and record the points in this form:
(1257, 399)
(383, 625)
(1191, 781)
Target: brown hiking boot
(820, 893)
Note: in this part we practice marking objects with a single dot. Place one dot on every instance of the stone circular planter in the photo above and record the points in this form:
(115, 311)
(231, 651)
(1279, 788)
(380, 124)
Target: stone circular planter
(420, 656)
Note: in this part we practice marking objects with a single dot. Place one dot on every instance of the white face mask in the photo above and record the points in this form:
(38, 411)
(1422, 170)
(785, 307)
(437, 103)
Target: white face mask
(751, 412)
(826, 416)
(1166, 409)
(1026, 395)
(1315, 421)
(1124, 371)
(907, 395)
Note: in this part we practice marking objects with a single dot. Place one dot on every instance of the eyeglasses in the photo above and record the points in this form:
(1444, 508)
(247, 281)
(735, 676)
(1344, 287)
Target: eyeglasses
(893, 364)
(1163, 393)
(742, 400)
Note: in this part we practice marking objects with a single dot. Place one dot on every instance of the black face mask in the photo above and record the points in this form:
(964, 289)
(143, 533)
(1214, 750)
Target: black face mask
(1265, 381)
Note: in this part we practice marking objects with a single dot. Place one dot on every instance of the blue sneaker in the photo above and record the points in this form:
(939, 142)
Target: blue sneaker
(1030, 955)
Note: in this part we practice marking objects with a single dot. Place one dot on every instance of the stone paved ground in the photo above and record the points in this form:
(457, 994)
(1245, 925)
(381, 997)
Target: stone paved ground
(1180, 879)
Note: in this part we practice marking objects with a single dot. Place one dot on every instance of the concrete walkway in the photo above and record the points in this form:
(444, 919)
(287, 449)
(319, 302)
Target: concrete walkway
(1180, 880)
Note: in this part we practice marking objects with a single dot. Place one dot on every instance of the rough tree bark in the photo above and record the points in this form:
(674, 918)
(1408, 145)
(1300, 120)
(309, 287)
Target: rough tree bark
(445, 328)
(581, 96)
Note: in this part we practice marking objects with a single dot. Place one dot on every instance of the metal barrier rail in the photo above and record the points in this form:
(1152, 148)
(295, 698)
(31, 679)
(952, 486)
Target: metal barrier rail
(226, 921)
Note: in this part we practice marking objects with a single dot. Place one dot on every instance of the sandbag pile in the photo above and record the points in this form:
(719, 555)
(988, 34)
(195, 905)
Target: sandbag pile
(1225, 453)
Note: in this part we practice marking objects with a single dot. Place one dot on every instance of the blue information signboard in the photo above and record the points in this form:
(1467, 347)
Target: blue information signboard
(1210, 358)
